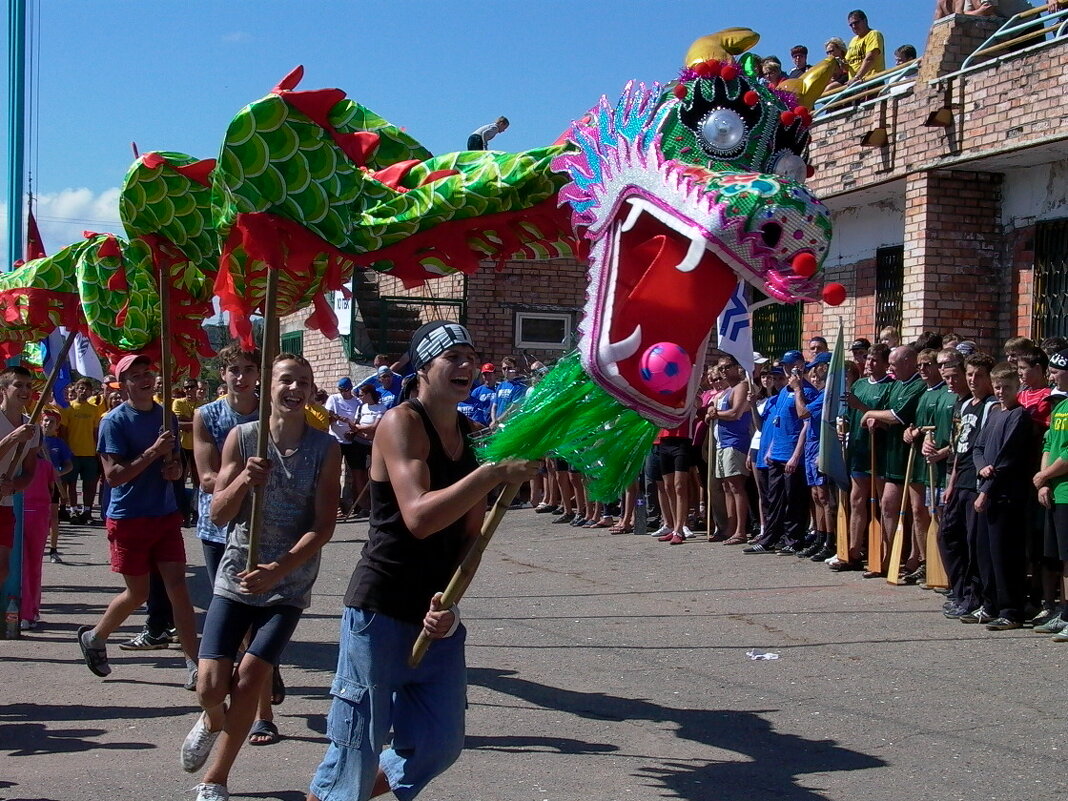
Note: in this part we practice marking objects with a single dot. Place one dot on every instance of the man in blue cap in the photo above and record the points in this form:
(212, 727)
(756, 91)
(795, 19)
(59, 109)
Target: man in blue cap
(786, 516)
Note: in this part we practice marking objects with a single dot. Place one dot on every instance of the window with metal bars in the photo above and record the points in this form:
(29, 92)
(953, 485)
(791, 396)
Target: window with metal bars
(1050, 303)
(889, 286)
(777, 328)
(293, 342)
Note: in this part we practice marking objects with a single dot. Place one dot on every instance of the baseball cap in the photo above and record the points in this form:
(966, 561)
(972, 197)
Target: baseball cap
(1059, 360)
(128, 361)
(776, 371)
(967, 347)
(820, 358)
(344, 383)
(383, 370)
(488, 367)
(759, 358)
(792, 356)
(859, 344)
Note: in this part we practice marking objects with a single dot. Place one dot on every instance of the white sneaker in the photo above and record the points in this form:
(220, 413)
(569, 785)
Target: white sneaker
(195, 750)
(833, 560)
(212, 792)
(687, 533)
(660, 532)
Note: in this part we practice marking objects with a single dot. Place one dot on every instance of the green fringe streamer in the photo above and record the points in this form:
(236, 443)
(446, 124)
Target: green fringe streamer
(567, 415)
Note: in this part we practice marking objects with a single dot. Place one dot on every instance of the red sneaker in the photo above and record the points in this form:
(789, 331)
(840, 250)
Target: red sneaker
(677, 539)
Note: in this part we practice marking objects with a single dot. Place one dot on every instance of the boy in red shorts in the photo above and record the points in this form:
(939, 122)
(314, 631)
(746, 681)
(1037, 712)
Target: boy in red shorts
(143, 522)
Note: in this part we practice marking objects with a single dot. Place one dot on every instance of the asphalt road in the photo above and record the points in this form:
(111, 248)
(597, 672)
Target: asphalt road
(600, 667)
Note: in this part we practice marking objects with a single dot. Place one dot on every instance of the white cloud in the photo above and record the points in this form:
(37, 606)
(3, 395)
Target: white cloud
(63, 216)
(237, 37)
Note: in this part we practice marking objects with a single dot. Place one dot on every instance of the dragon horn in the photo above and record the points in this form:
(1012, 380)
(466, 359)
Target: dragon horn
(810, 86)
(723, 45)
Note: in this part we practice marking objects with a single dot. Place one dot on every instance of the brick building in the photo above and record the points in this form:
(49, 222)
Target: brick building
(960, 220)
(950, 204)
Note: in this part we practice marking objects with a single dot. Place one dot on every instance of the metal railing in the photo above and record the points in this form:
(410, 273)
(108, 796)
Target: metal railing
(1023, 33)
(894, 81)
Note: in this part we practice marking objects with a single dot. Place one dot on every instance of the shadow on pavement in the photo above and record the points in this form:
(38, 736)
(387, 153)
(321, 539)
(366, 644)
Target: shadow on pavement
(769, 762)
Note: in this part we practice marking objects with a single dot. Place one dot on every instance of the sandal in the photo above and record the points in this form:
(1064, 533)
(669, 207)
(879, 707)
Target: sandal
(735, 541)
(278, 687)
(264, 732)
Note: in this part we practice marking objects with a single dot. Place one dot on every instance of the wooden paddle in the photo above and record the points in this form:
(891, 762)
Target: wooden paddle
(461, 579)
(893, 569)
(936, 571)
(875, 526)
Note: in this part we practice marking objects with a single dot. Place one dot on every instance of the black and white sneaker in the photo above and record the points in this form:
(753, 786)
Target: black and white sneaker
(145, 641)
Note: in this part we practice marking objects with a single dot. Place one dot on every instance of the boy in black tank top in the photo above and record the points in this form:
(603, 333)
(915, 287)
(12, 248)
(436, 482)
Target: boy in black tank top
(428, 496)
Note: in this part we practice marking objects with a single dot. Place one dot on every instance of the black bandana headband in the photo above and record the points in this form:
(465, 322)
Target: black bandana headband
(433, 339)
(1059, 360)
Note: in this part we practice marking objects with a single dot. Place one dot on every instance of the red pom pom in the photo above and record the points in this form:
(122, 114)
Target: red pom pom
(834, 294)
(679, 91)
(728, 72)
(787, 118)
(703, 69)
(751, 98)
(805, 265)
(810, 171)
(804, 115)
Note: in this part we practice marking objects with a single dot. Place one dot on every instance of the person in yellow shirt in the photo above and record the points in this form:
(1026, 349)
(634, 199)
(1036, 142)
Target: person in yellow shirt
(183, 408)
(78, 427)
(866, 54)
(316, 414)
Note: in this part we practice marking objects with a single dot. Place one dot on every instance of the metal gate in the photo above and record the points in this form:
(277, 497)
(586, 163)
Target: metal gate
(777, 328)
(1050, 315)
(889, 287)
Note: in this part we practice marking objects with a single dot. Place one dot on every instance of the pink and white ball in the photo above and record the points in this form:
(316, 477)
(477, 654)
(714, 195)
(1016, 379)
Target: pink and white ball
(665, 368)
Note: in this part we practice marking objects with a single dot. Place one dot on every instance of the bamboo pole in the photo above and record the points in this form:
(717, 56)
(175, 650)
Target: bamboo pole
(268, 349)
(461, 579)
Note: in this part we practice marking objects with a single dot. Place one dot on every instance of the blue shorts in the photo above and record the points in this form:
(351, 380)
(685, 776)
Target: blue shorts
(375, 691)
(269, 628)
(813, 477)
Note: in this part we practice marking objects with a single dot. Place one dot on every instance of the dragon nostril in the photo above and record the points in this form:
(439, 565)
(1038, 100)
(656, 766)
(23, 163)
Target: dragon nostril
(771, 232)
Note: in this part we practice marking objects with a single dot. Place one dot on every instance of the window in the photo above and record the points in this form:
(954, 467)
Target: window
(1050, 315)
(889, 283)
(543, 330)
(777, 328)
(293, 342)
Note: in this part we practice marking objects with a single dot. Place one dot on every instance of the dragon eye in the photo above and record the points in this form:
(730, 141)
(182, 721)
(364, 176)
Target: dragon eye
(723, 131)
(790, 166)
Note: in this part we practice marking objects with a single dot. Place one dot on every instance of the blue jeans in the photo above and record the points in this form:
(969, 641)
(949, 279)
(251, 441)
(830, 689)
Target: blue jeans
(375, 691)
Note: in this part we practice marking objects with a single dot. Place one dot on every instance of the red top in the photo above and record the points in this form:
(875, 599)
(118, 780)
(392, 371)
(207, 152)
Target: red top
(1038, 404)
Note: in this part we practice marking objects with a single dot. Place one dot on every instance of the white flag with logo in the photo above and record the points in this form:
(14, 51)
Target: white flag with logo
(735, 328)
(83, 358)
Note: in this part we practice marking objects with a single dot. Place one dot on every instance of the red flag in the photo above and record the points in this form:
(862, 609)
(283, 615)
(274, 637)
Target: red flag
(34, 243)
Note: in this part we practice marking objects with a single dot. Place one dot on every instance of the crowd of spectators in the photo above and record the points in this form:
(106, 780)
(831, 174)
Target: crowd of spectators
(934, 426)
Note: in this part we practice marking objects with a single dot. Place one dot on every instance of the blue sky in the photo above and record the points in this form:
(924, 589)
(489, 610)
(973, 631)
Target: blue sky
(170, 75)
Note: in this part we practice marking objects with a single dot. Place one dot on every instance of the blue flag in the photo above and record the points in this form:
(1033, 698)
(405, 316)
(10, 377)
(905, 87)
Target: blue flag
(50, 348)
(831, 460)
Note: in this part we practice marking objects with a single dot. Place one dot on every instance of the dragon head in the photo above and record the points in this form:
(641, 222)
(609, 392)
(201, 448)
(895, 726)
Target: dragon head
(683, 192)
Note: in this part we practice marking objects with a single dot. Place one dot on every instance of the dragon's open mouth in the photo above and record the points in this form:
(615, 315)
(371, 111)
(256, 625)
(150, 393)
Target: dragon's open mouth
(656, 263)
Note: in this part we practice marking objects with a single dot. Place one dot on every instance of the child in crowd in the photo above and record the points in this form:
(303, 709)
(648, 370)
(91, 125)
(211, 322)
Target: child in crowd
(61, 459)
(1003, 463)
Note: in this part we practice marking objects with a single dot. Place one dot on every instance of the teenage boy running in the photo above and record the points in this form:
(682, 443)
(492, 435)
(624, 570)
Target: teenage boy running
(300, 480)
(143, 522)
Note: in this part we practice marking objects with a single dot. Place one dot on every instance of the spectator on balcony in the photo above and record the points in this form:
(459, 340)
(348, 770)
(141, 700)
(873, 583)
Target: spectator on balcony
(866, 54)
(836, 49)
(799, 53)
(1002, 9)
(771, 72)
(904, 54)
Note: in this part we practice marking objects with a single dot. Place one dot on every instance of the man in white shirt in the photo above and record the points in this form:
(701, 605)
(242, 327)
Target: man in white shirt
(479, 140)
(343, 407)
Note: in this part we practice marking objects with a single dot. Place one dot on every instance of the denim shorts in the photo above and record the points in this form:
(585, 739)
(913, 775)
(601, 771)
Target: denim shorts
(269, 628)
(375, 691)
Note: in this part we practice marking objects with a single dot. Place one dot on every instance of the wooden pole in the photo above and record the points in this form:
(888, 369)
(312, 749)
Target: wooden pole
(842, 526)
(268, 349)
(461, 579)
(875, 526)
(936, 571)
(893, 570)
(710, 476)
(165, 371)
